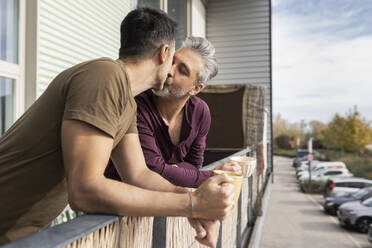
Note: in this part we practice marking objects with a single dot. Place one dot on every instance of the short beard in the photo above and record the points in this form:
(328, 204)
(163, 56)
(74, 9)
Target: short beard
(170, 91)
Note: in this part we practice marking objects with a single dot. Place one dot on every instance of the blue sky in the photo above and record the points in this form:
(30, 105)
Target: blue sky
(322, 58)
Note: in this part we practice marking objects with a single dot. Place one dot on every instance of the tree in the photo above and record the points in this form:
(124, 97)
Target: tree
(283, 127)
(316, 131)
(280, 125)
(283, 141)
(351, 133)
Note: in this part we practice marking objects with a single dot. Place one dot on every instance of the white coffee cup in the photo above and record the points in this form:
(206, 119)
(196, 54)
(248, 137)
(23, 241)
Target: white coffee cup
(247, 164)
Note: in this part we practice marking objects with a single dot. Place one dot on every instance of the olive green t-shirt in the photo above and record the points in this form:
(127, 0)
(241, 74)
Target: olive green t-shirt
(32, 180)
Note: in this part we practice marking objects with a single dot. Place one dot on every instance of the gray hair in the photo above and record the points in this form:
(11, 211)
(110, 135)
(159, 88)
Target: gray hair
(207, 51)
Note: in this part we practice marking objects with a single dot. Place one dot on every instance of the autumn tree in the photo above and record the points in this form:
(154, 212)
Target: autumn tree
(280, 126)
(285, 132)
(317, 129)
(351, 133)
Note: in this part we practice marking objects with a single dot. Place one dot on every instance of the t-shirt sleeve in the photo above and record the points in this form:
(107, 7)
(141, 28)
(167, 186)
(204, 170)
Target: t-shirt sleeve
(95, 95)
(133, 126)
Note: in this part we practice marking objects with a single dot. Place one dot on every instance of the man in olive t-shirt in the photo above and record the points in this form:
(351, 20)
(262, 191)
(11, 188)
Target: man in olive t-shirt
(32, 176)
(57, 151)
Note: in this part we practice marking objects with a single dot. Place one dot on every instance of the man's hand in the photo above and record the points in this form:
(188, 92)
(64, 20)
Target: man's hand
(199, 229)
(206, 231)
(214, 198)
(212, 228)
(230, 166)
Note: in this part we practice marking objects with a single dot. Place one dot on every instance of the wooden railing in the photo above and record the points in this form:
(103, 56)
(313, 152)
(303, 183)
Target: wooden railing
(153, 232)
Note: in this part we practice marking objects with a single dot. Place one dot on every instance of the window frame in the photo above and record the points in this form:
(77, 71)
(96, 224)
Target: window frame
(16, 72)
(164, 7)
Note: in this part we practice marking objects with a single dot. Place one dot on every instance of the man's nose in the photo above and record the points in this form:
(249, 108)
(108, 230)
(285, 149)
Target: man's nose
(171, 72)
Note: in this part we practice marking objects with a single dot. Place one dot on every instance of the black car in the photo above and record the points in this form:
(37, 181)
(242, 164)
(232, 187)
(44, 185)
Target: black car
(300, 156)
(331, 204)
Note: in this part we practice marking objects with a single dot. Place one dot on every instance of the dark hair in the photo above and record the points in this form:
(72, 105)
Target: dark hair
(143, 31)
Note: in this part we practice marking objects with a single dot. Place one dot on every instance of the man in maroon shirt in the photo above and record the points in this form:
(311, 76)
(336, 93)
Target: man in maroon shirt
(173, 123)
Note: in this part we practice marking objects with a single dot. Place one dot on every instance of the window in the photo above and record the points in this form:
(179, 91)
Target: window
(9, 31)
(342, 184)
(11, 64)
(179, 10)
(368, 202)
(330, 173)
(148, 3)
(6, 103)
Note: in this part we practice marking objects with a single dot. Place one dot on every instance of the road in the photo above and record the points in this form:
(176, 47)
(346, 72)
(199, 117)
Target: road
(294, 219)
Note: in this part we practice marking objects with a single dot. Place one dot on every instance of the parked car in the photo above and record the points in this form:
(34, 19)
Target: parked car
(297, 161)
(370, 234)
(337, 187)
(322, 166)
(304, 166)
(331, 204)
(301, 156)
(326, 174)
(356, 214)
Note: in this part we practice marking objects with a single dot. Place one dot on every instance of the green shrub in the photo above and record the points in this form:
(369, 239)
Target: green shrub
(283, 141)
(313, 187)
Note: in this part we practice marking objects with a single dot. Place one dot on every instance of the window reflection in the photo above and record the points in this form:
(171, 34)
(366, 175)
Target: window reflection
(6, 103)
(149, 3)
(177, 9)
(9, 30)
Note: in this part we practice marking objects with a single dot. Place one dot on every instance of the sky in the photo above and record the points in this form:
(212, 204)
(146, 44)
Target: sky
(322, 58)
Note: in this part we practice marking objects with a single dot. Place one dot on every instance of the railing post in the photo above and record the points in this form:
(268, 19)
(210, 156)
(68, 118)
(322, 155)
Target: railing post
(159, 233)
(239, 223)
(219, 242)
(250, 203)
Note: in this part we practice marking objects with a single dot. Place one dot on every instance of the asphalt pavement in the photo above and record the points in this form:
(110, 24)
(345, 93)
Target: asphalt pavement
(294, 219)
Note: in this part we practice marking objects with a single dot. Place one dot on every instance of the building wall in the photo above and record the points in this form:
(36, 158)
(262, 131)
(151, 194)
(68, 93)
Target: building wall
(198, 18)
(71, 32)
(240, 31)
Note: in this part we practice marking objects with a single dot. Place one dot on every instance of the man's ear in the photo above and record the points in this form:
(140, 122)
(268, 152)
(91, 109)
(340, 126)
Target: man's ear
(196, 89)
(163, 53)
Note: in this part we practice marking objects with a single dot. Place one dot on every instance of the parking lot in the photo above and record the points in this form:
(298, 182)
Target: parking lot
(295, 219)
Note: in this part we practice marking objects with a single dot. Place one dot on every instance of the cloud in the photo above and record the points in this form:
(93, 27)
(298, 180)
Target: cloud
(321, 58)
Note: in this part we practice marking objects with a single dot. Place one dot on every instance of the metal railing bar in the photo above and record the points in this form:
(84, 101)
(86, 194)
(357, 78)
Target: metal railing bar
(223, 149)
(66, 233)
(214, 164)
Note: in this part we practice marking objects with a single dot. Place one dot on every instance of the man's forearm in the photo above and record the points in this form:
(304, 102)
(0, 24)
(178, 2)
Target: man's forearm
(151, 180)
(186, 177)
(114, 197)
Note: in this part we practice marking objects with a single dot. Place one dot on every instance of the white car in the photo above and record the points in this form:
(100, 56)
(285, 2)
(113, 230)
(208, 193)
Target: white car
(304, 166)
(326, 174)
(320, 167)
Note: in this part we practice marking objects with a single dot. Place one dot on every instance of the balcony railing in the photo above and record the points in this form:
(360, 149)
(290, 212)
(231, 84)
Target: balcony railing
(112, 231)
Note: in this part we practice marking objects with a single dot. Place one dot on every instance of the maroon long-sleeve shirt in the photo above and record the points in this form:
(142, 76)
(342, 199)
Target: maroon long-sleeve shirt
(159, 151)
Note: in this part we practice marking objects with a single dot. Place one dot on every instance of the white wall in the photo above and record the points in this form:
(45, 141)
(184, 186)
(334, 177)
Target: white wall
(71, 32)
(198, 17)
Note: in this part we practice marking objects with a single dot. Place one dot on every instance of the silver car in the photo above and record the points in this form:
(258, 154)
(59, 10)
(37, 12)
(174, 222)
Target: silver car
(357, 214)
(337, 187)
